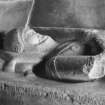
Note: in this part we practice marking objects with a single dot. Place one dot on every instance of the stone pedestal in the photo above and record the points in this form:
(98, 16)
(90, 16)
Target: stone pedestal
(17, 90)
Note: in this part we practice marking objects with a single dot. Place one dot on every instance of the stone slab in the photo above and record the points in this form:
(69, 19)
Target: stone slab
(18, 90)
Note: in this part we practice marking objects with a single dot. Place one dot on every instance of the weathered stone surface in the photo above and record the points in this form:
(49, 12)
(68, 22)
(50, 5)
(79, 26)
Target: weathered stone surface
(69, 13)
(31, 90)
(17, 90)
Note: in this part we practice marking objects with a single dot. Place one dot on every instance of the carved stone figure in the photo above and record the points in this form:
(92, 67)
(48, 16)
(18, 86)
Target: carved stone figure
(79, 58)
(65, 51)
(24, 48)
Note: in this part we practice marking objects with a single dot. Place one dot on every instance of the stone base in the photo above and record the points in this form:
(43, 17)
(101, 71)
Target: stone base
(17, 90)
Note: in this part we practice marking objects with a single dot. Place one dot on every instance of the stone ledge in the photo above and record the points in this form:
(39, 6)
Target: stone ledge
(18, 90)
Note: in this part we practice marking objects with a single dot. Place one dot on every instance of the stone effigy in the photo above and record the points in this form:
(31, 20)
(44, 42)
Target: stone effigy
(50, 65)
(24, 45)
